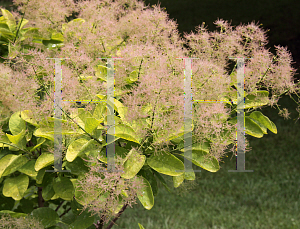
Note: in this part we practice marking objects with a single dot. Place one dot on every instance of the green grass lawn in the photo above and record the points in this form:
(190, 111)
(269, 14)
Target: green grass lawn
(266, 198)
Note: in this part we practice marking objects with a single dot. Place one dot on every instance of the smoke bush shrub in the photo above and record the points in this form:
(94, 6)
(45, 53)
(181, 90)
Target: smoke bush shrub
(148, 80)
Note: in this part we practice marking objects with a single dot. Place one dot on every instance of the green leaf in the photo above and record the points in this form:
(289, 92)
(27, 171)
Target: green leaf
(119, 151)
(260, 98)
(133, 76)
(47, 179)
(202, 158)
(48, 191)
(77, 167)
(27, 116)
(166, 163)
(11, 163)
(101, 72)
(6, 203)
(40, 176)
(57, 36)
(16, 123)
(4, 139)
(90, 123)
(68, 219)
(84, 220)
(189, 175)
(178, 134)
(118, 106)
(146, 196)
(76, 207)
(141, 226)
(83, 198)
(31, 32)
(48, 132)
(47, 216)
(15, 187)
(3, 26)
(177, 181)
(13, 214)
(43, 161)
(63, 187)
(262, 127)
(100, 111)
(126, 132)
(161, 179)
(9, 19)
(161, 136)
(252, 128)
(55, 197)
(117, 121)
(45, 133)
(26, 205)
(133, 164)
(263, 121)
(28, 168)
(149, 175)
(75, 148)
(137, 125)
(74, 23)
(52, 43)
(40, 141)
(17, 139)
(24, 22)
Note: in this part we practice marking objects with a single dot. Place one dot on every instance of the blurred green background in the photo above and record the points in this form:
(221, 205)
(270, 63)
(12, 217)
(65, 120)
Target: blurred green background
(268, 197)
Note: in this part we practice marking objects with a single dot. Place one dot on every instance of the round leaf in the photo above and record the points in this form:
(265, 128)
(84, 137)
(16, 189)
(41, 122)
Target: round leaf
(9, 19)
(15, 187)
(263, 121)
(146, 197)
(133, 76)
(48, 191)
(177, 181)
(47, 216)
(82, 198)
(77, 167)
(28, 168)
(28, 117)
(43, 161)
(75, 149)
(202, 158)
(84, 220)
(11, 163)
(16, 123)
(252, 128)
(133, 164)
(126, 132)
(166, 163)
(63, 187)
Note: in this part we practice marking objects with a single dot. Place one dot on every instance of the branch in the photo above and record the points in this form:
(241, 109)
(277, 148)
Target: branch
(65, 212)
(92, 137)
(117, 217)
(99, 224)
(59, 205)
(40, 197)
(5, 143)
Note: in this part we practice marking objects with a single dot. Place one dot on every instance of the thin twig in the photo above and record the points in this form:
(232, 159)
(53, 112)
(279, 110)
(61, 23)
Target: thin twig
(59, 206)
(65, 212)
(112, 223)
